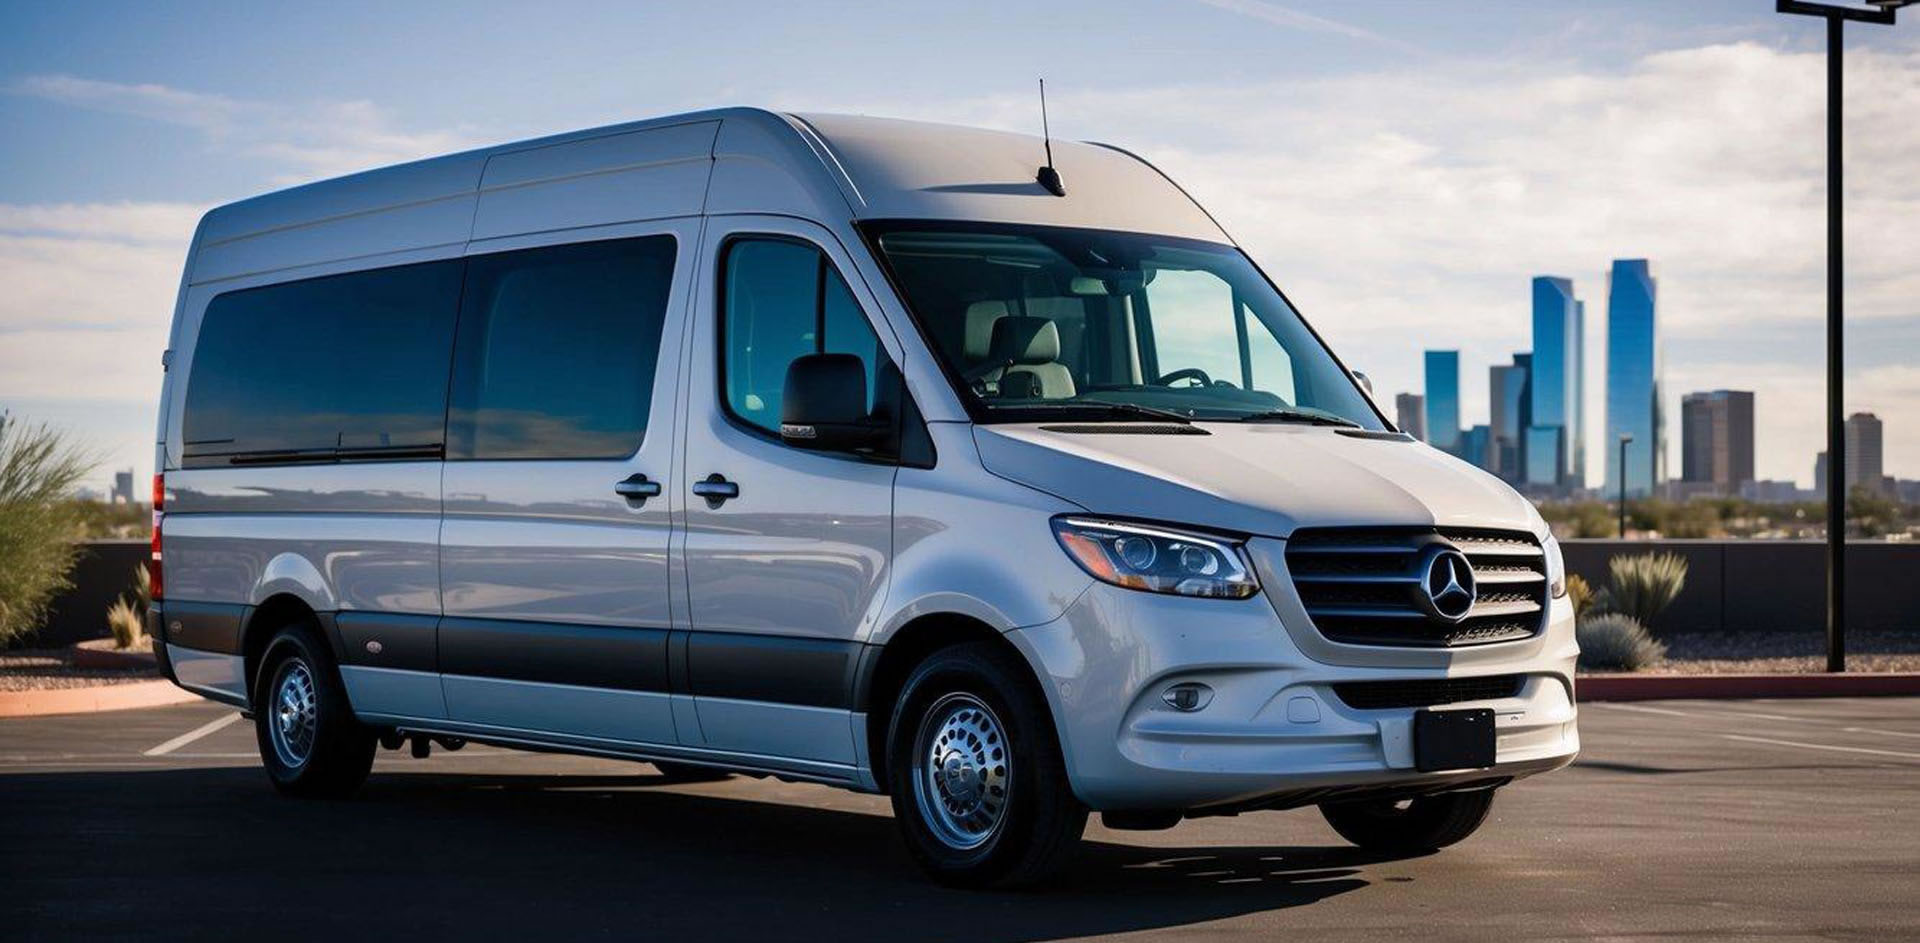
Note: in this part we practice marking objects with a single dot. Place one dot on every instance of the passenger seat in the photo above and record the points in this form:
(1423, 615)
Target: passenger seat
(1030, 350)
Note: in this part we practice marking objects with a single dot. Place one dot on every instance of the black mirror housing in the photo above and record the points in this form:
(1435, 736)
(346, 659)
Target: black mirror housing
(823, 404)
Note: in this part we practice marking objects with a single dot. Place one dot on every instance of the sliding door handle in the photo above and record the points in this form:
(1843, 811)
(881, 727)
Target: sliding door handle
(636, 489)
(716, 489)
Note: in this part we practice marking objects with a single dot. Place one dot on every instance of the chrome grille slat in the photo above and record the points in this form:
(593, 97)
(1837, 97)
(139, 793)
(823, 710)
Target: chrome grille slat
(1360, 586)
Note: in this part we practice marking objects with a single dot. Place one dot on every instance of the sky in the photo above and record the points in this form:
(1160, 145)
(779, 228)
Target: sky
(1402, 168)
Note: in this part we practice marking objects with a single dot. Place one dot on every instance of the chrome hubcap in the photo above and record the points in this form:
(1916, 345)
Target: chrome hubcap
(296, 713)
(962, 768)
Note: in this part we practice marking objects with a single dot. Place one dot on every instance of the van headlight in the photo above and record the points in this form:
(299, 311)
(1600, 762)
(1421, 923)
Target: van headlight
(1157, 559)
(1556, 567)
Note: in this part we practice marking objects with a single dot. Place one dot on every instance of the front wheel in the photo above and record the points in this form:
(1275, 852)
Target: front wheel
(1408, 826)
(978, 785)
(310, 743)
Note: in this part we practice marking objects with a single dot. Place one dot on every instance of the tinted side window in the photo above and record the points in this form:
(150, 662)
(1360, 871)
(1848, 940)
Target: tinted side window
(784, 300)
(557, 350)
(352, 365)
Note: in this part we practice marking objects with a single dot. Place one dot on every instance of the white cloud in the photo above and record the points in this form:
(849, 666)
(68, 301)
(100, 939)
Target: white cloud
(310, 139)
(1289, 18)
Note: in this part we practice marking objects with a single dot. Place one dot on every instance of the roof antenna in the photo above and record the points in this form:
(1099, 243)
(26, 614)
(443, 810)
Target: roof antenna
(1048, 177)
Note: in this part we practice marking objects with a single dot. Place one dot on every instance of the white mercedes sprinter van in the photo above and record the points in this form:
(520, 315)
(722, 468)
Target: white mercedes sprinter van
(838, 449)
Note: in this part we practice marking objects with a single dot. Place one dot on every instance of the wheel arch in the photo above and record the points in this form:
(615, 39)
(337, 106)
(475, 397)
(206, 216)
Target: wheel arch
(889, 665)
(265, 620)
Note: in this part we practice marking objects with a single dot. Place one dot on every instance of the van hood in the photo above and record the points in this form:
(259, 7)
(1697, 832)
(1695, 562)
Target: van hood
(1256, 478)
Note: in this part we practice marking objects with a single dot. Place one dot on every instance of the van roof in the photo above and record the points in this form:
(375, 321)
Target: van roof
(830, 168)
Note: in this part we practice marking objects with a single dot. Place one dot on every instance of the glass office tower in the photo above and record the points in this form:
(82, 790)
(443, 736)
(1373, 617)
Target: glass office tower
(1634, 380)
(1410, 414)
(1554, 382)
(1443, 400)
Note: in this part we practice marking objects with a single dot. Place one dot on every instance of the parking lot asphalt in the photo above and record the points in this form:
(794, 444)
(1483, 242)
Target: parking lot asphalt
(1776, 820)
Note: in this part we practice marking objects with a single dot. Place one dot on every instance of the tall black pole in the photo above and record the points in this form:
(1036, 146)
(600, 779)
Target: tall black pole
(1836, 423)
(1623, 485)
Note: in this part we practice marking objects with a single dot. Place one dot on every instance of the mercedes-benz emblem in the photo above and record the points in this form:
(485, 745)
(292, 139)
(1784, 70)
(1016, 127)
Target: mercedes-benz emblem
(1446, 583)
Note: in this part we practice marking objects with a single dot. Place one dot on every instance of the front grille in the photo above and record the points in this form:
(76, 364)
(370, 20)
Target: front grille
(1364, 586)
(1426, 692)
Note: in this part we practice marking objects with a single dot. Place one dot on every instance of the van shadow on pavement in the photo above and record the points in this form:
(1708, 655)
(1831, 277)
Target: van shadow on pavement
(212, 852)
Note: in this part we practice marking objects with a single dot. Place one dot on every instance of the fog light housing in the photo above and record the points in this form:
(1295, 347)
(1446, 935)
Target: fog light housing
(1187, 696)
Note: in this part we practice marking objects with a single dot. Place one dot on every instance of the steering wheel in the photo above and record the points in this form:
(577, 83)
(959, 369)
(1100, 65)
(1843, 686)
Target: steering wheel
(1185, 373)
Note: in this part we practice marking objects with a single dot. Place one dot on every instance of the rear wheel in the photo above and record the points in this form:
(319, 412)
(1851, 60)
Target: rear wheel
(310, 743)
(1410, 825)
(689, 773)
(978, 786)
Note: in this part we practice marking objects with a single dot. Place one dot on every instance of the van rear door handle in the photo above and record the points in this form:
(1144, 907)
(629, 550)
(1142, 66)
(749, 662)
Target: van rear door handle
(716, 489)
(636, 488)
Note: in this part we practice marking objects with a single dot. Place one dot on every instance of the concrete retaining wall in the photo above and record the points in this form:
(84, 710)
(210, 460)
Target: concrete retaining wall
(1771, 584)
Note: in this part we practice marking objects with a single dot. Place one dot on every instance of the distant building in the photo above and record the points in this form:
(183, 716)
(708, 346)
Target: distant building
(1820, 473)
(1556, 385)
(1865, 459)
(1634, 379)
(1476, 446)
(122, 487)
(1410, 414)
(1443, 399)
(1507, 399)
(1771, 491)
(1716, 439)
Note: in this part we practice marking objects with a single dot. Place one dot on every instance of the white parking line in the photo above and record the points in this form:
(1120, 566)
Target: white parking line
(1797, 720)
(192, 735)
(1821, 746)
(1638, 709)
(1884, 733)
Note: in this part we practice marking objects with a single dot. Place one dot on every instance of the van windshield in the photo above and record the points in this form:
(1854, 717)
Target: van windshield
(1045, 323)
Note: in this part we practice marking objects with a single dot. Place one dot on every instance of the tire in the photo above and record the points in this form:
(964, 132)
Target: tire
(1410, 826)
(310, 743)
(689, 772)
(1002, 815)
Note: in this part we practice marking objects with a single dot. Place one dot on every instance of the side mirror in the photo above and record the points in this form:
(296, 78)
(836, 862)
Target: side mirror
(824, 404)
(1365, 383)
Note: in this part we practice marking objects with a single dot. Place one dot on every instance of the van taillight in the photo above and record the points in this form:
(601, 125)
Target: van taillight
(153, 558)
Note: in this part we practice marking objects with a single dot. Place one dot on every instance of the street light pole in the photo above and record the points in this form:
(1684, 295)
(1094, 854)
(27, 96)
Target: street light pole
(1625, 437)
(1836, 16)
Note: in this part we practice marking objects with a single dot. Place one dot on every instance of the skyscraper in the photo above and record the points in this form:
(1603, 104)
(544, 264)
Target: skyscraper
(1865, 463)
(1507, 405)
(1554, 385)
(1476, 446)
(1443, 400)
(1716, 439)
(1634, 370)
(1410, 414)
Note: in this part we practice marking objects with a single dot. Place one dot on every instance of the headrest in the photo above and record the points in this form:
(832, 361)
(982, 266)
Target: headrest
(981, 316)
(1026, 341)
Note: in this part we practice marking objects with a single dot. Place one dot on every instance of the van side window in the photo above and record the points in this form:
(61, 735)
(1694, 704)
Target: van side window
(783, 300)
(345, 366)
(557, 350)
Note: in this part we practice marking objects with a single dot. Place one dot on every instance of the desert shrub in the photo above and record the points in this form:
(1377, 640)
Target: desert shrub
(39, 469)
(1615, 642)
(1644, 584)
(128, 626)
(1581, 592)
(142, 599)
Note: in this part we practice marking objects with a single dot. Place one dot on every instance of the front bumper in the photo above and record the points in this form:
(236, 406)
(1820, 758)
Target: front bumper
(1274, 731)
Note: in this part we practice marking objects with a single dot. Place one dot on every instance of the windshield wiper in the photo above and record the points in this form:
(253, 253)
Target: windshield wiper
(1125, 409)
(1315, 418)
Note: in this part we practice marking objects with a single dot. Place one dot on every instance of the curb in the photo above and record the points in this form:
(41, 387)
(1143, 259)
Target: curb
(105, 697)
(1627, 687)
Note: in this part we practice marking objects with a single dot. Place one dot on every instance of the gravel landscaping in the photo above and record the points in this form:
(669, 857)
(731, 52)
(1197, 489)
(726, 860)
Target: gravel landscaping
(31, 669)
(1785, 652)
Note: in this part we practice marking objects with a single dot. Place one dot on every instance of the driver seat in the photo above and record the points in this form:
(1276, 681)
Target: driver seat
(1028, 350)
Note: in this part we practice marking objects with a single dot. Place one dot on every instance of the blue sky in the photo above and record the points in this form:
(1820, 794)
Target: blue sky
(1402, 167)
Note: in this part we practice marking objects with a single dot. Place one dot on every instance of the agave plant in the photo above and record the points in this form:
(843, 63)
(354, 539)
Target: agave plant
(1615, 642)
(1644, 584)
